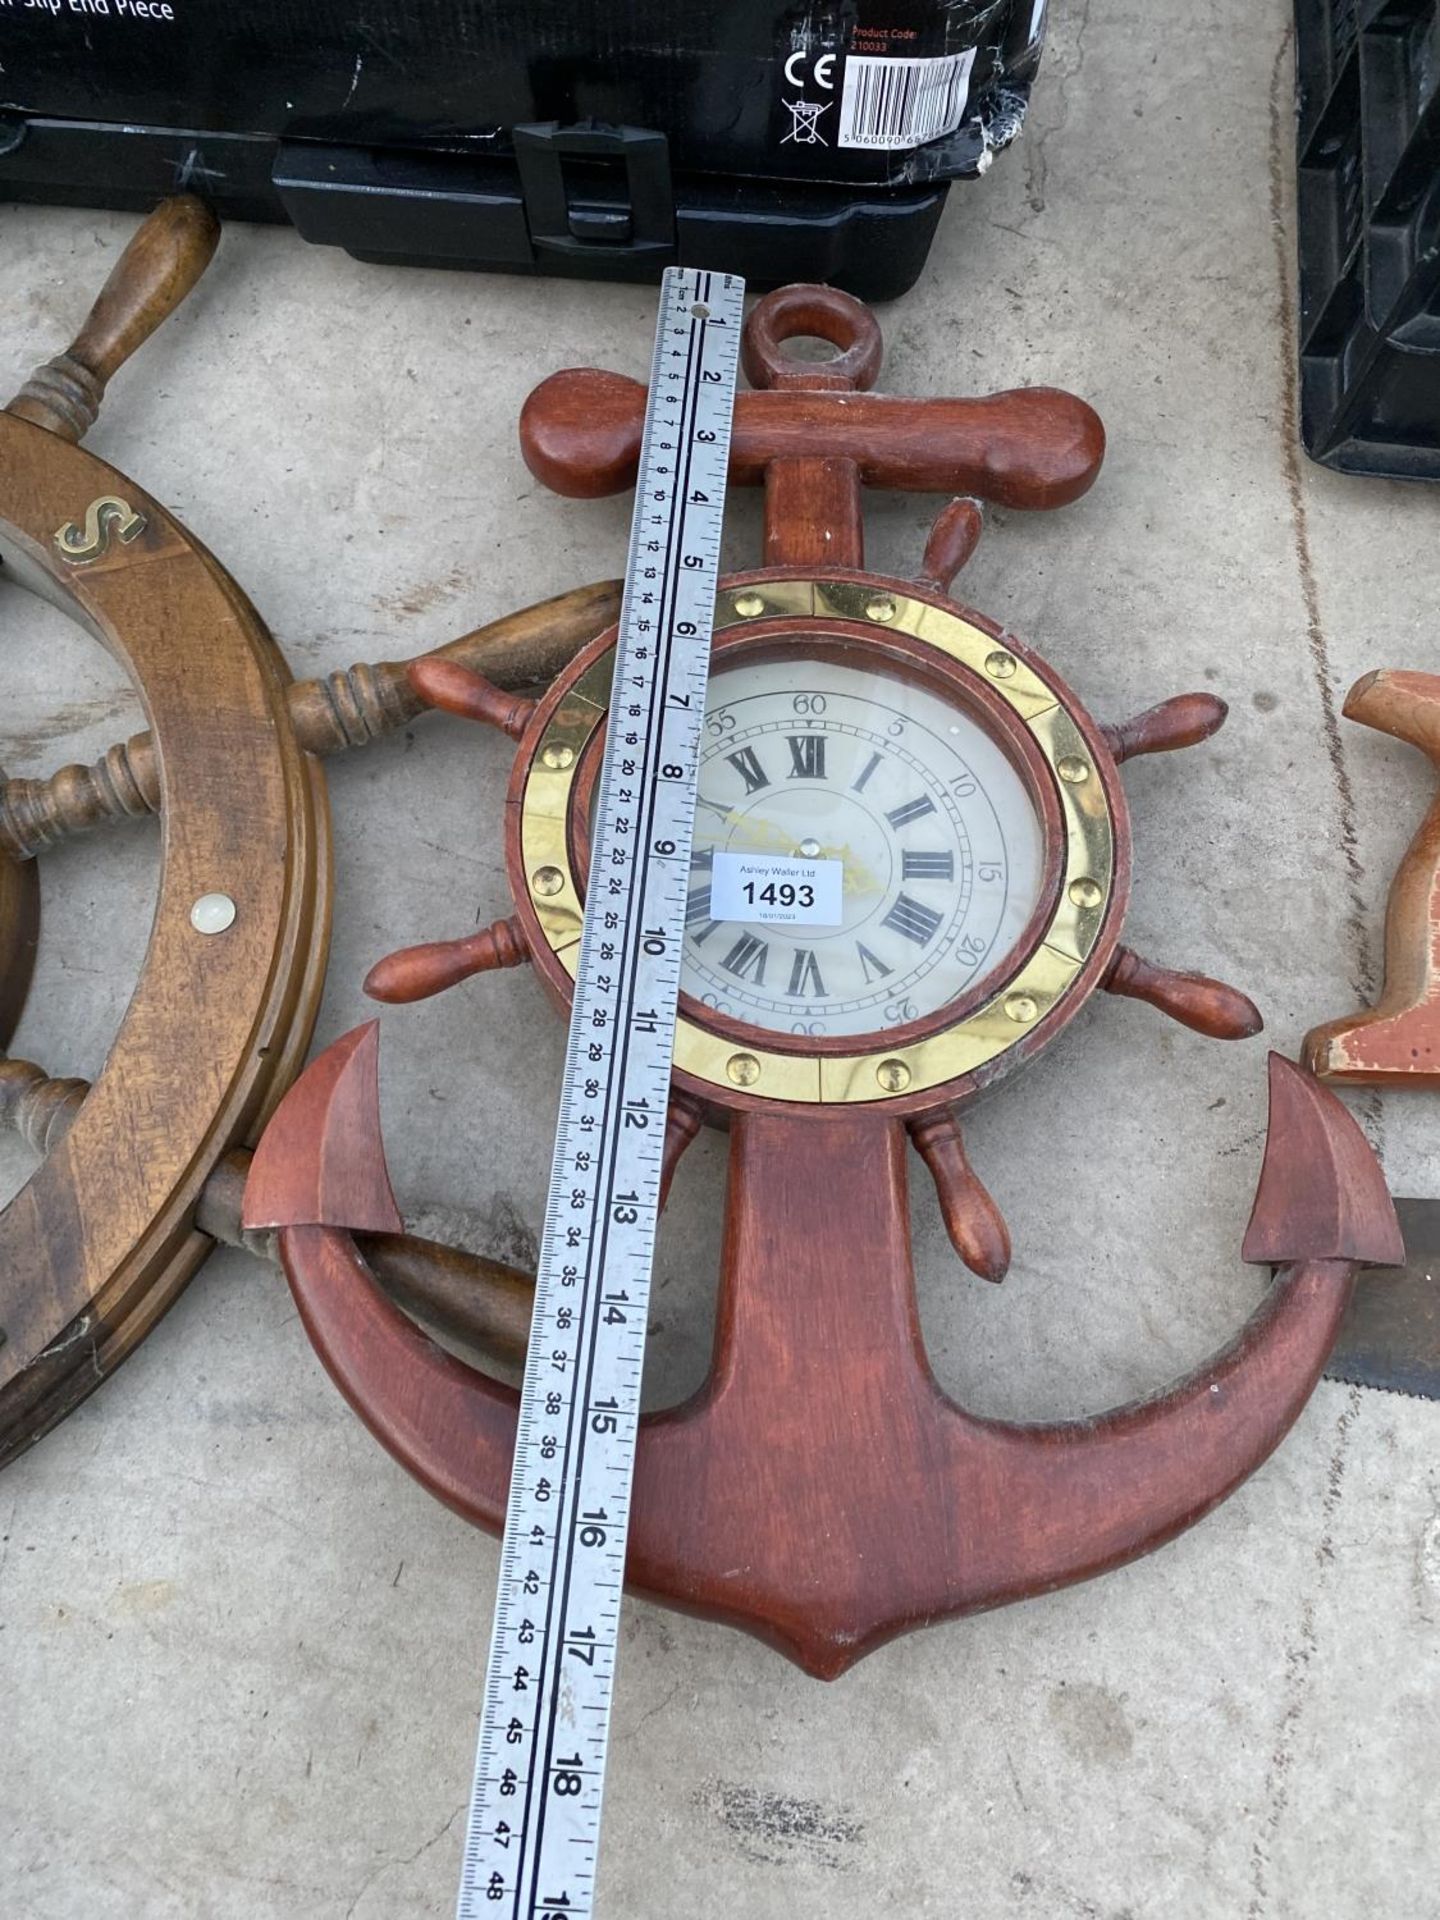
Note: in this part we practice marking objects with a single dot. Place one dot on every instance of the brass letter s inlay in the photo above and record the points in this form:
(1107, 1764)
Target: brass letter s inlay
(103, 517)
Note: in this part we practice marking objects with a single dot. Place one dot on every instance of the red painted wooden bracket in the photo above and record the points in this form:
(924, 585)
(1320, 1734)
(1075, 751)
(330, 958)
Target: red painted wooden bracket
(1397, 1041)
(827, 1524)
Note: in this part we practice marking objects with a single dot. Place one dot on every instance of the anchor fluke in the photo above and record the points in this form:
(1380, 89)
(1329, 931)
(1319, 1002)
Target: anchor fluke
(321, 1162)
(942, 1513)
(1321, 1195)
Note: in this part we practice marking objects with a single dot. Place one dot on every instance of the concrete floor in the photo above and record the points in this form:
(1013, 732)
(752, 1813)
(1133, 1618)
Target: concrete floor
(240, 1651)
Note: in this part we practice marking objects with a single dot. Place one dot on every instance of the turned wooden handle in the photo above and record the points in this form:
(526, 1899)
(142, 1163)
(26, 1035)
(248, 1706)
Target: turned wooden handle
(479, 1303)
(975, 1224)
(416, 973)
(152, 276)
(1033, 447)
(348, 708)
(150, 279)
(1183, 721)
(40, 1109)
(448, 687)
(952, 540)
(1208, 1006)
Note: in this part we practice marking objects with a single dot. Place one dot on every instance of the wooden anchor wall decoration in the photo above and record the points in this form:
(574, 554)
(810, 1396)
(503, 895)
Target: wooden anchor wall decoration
(820, 1490)
(145, 1169)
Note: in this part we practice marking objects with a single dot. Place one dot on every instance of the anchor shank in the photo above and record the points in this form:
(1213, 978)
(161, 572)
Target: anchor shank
(816, 1275)
(812, 514)
(790, 1493)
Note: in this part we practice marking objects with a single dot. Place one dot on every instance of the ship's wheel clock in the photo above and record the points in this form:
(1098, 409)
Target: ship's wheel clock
(911, 870)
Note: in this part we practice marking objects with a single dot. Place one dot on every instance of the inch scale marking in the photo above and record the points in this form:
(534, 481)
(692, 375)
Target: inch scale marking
(533, 1836)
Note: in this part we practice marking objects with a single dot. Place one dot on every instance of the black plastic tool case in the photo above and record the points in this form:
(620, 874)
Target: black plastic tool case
(775, 139)
(1369, 218)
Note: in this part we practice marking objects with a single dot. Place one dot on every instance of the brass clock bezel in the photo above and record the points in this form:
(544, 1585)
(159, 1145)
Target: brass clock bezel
(1088, 902)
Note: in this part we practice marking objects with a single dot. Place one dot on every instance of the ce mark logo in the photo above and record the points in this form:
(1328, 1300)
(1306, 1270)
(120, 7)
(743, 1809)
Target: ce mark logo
(822, 71)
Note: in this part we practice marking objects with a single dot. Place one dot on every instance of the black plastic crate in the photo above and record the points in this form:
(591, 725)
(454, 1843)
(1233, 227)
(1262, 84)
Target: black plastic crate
(1369, 229)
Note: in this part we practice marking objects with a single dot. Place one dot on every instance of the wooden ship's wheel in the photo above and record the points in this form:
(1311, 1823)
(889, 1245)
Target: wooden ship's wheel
(100, 1240)
(820, 1489)
(144, 1169)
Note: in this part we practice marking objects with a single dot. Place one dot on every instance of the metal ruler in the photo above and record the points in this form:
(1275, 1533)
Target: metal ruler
(533, 1838)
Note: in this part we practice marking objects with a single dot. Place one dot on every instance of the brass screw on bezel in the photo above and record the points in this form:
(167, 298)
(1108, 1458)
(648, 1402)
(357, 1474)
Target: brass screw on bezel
(743, 1069)
(547, 881)
(1021, 1007)
(1086, 892)
(893, 1075)
(1001, 666)
(749, 606)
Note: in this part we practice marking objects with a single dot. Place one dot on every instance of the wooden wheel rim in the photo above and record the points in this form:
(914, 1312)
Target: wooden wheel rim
(19, 929)
(100, 1240)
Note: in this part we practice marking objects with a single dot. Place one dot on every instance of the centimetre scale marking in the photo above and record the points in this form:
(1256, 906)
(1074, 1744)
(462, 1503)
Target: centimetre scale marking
(533, 1833)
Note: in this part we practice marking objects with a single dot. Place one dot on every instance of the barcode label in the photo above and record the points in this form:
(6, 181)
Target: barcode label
(903, 103)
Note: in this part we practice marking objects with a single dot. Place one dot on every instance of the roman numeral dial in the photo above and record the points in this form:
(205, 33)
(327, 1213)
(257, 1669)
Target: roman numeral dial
(912, 921)
(807, 756)
(886, 789)
(862, 779)
(805, 979)
(747, 764)
(927, 866)
(912, 810)
(871, 965)
(746, 959)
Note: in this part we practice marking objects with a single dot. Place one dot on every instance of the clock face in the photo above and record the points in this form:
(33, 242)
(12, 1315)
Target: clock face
(864, 849)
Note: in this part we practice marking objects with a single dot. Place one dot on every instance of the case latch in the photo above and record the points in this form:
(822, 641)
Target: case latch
(594, 205)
